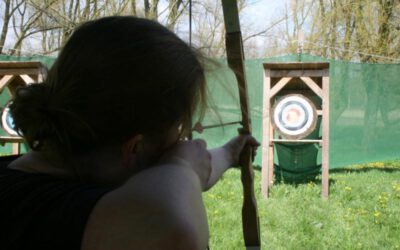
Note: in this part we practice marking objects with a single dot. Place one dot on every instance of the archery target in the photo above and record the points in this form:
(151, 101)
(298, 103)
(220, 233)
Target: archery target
(294, 116)
(7, 122)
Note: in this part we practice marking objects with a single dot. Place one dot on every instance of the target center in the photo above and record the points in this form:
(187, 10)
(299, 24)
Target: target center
(293, 116)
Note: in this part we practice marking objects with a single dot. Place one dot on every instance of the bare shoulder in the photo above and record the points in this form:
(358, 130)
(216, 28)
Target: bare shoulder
(160, 208)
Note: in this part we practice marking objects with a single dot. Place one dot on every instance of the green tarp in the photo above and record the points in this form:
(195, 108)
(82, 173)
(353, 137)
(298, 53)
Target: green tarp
(364, 118)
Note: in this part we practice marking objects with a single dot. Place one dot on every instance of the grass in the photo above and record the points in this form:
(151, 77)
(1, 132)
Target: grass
(363, 211)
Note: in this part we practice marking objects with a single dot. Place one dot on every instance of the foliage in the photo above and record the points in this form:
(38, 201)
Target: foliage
(44, 26)
(362, 211)
(359, 30)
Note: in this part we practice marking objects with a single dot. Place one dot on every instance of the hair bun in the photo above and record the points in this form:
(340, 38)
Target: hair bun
(31, 113)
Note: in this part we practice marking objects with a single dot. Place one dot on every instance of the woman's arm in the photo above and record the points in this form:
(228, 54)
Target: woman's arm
(227, 156)
(162, 207)
(158, 208)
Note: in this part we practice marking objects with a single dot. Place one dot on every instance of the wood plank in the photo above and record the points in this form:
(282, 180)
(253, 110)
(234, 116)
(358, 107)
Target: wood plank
(5, 80)
(312, 85)
(306, 92)
(27, 79)
(271, 165)
(296, 141)
(265, 138)
(296, 65)
(282, 83)
(325, 138)
(298, 73)
(42, 76)
(19, 71)
(6, 139)
(19, 64)
(16, 149)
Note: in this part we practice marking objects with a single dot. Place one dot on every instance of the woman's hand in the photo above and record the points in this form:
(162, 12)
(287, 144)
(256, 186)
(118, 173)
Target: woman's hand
(227, 156)
(192, 154)
(235, 146)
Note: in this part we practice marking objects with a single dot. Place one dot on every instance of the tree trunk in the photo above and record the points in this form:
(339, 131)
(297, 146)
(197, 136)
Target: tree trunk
(146, 8)
(173, 16)
(387, 7)
(133, 7)
(6, 21)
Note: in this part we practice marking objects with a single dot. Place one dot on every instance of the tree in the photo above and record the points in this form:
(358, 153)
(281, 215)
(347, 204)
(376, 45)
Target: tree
(10, 6)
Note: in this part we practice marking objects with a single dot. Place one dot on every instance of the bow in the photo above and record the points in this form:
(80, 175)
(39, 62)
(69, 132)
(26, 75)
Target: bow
(235, 56)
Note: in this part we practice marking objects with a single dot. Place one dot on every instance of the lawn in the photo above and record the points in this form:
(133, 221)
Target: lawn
(363, 211)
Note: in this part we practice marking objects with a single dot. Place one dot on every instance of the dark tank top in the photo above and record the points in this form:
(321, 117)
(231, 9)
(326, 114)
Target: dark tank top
(39, 211)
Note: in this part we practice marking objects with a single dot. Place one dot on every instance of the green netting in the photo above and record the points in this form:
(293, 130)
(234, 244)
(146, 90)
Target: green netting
(364, 118)
(45, 60)
(364, 114)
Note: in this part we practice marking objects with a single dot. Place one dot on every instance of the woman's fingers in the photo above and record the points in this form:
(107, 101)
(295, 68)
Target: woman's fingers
(236, 145)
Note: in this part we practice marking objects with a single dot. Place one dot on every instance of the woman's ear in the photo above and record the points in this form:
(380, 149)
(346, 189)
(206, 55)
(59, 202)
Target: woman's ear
(129, 148)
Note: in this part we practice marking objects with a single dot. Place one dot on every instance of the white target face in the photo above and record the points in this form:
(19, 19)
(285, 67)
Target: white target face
(294, 116)
(7, 122)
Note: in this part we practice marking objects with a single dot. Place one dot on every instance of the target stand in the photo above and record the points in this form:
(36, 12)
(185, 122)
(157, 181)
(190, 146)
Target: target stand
(12, 76)
(295, 96)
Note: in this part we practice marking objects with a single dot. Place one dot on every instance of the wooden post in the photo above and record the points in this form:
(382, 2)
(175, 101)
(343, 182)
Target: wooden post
(15, 148)
(325, 137)
(271, 165)
(265, 178)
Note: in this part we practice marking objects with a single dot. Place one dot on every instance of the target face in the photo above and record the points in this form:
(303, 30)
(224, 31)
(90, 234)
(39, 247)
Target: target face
(7, 122)
(294, 116)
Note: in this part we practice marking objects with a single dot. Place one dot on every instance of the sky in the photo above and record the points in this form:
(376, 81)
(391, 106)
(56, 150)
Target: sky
(257, 14)
(260, 11)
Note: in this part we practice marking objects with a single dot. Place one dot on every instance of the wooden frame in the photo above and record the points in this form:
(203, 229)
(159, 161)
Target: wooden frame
(12, 76)
(295, 78)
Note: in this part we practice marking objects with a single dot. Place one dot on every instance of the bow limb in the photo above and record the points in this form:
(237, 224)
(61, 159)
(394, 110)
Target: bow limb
(235, 56)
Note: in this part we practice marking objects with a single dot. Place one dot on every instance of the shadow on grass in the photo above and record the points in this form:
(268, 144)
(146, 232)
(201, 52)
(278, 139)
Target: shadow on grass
(364, 169)
(316, 181)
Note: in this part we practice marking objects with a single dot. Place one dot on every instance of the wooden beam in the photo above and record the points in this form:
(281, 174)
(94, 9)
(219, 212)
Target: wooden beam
(5, 80)
(271, 165)
(265, 140)
(19, 65)
(42, 75)
(16, 149)
(325, 137)
(296, 141)
(312, 85)
(298, 73)
(282, 83)
(12, 139)
(27, 79)
(296, 65)
(19, 71)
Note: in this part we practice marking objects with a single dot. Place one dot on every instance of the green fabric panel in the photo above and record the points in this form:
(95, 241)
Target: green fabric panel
(45, 60)
(364, 109)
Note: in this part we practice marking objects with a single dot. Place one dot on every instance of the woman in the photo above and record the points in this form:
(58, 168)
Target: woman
(107, 169)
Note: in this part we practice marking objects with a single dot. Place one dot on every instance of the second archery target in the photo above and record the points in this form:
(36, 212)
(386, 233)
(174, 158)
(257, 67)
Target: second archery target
(294, 116)
(7, 122)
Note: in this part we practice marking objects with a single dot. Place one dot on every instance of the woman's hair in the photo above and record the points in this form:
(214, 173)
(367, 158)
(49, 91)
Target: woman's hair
(116, 77)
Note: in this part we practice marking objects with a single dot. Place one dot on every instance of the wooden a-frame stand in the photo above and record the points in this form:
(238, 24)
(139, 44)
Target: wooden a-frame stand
(308, 79)
(12, 76)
